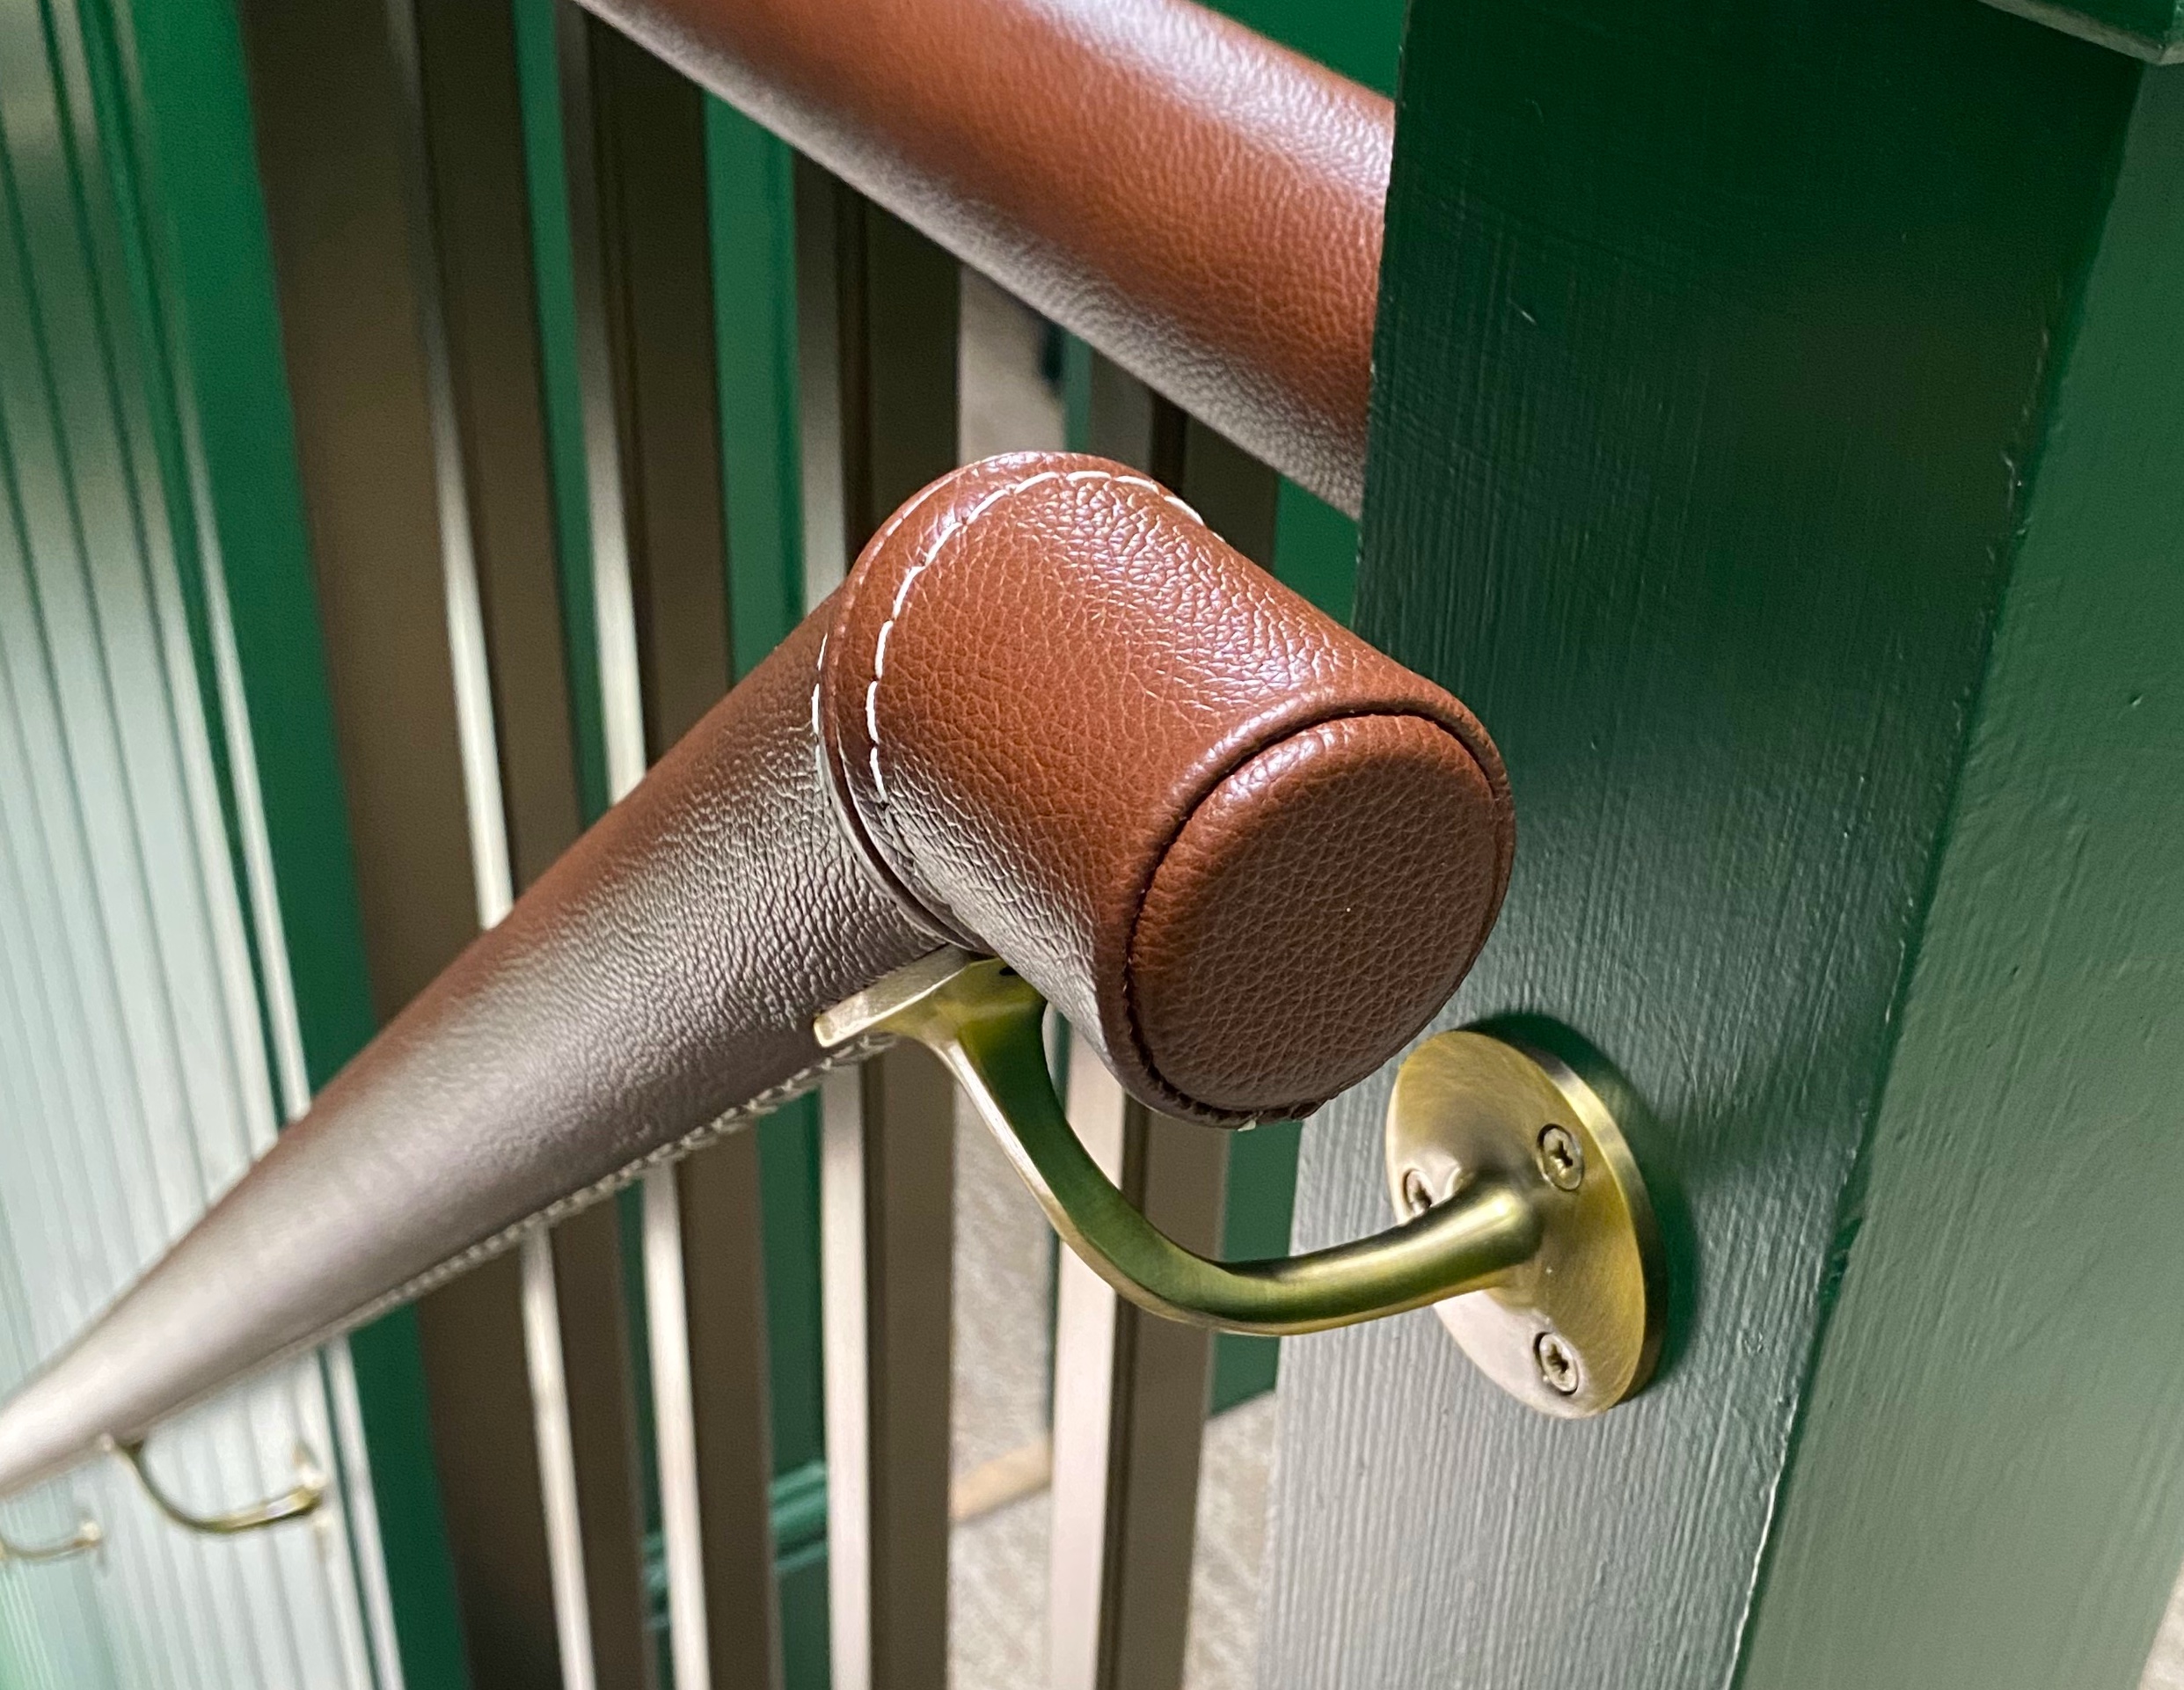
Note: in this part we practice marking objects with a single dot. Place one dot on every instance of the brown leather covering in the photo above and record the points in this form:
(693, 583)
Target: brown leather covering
(1234, 844)
(664, 972)
(1238, 848)
(1202, 205)
(1262, 966)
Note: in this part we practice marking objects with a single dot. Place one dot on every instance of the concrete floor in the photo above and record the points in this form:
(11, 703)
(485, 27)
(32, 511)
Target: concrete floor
(997, 1572)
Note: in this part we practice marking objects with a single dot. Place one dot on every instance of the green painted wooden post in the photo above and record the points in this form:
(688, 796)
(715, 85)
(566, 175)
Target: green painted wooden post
(1988, 1483)
(1771, 440)
(210, 269)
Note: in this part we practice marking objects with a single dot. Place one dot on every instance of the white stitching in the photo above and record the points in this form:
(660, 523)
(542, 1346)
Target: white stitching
(675, 1150)
(1135, 481)
(743, 1116)
(951, 526)
(871, 725)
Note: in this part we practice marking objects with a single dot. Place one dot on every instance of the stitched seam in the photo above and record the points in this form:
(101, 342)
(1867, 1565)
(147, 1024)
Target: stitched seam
(729, 1121)
(841, 801)
(951, 528)
(852, 582)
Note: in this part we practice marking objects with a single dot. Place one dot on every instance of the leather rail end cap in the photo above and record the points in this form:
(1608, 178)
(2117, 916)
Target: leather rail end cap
(1314, 911)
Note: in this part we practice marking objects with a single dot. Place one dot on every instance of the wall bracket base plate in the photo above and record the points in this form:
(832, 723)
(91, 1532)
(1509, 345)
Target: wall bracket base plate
(1576, 1328)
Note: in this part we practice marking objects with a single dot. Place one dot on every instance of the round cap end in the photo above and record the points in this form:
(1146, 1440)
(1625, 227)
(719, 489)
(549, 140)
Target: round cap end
(1314, 911)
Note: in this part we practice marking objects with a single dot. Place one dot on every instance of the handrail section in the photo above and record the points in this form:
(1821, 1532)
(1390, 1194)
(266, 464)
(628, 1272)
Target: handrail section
(1049, 717)
(1199, 203)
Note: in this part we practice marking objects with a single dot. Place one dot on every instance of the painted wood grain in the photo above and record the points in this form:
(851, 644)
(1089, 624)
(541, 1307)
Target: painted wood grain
(1713, 344)
(1990, 1487)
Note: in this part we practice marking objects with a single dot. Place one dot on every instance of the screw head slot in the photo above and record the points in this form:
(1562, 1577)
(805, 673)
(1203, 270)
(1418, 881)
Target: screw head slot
(1558, 1364)
(1417, 1195)
(1561, 1157)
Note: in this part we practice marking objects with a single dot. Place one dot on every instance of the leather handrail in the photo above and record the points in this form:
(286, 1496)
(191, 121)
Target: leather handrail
(1049, 715)
(1201, 205)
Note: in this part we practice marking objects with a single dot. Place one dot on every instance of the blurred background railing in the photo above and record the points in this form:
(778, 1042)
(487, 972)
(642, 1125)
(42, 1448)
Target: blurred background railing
(414, 414)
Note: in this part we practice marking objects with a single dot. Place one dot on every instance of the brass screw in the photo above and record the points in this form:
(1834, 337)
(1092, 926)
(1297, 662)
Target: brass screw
(1561, 1157)
(1417, 1198)
(1558, 1364)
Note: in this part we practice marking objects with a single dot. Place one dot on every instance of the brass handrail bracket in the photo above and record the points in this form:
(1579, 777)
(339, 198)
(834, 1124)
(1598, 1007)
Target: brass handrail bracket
(1522, 1214)
(85, 1538)
(303, 1498)
(1577, 1328)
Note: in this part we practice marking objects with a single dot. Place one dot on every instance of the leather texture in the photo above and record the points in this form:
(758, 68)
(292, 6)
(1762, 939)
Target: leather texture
(664, 972)
(1200, 204)
(1049, 714)
(1240, 850)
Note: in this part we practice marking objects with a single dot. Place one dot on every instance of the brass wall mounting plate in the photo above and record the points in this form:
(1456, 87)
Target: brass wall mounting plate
(1576, 1328)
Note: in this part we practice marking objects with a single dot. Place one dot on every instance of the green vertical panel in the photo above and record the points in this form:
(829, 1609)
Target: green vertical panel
(217, 272)
(754, 269)
(538, 79)
(1359, 38)
(800, 1532)
(390, 1390)
(215, 269)
(788, 1155)
(1255, 1219)
(1315, 551)
(1077, 383)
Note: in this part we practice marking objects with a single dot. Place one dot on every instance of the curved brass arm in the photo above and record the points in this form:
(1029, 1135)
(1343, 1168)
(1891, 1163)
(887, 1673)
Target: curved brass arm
(982, 1020)
(304, 1497)
(86, 1537)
